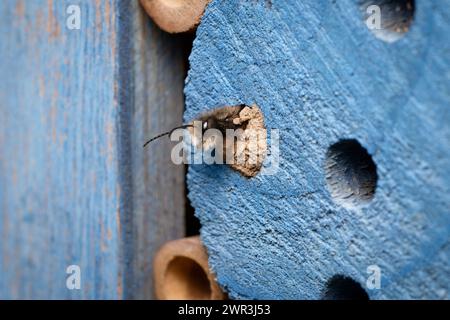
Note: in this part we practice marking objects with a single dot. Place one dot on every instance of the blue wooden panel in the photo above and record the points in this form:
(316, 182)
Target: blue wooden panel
(320, 76)
(68, 192)
(156, 61)
(60, 200)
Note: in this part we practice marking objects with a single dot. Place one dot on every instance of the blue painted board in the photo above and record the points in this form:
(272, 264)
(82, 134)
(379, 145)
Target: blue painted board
(321, 76)
(76, 187)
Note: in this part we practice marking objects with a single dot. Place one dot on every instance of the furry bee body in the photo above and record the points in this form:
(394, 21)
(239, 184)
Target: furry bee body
(248, 120)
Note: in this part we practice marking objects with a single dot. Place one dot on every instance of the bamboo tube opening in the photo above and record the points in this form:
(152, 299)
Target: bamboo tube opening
(181, 272)
(175, 16)
(185, 279)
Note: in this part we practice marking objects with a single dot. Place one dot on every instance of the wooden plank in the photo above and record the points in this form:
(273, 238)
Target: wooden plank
(319, 75)
(76, 187)
(158, 195)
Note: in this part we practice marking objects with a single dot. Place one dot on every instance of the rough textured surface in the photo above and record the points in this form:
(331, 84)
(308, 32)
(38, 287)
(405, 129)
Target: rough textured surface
(76, 187)
(250, 149)
(319, 75)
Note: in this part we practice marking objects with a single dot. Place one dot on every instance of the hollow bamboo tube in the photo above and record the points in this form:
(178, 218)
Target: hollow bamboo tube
(175, 16)
(181, 272)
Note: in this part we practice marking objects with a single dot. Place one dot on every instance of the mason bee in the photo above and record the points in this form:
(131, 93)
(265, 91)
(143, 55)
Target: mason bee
(238, 137)
(220, 119)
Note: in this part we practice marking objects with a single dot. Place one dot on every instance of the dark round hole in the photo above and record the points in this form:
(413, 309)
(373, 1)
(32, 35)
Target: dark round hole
(185, 279)
(351, 174)
(388, 20)
(340, 287)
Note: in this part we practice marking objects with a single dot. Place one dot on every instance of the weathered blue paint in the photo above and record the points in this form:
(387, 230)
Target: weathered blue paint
(320, 76)
(70, 136)
(154, 94)
(60, 199)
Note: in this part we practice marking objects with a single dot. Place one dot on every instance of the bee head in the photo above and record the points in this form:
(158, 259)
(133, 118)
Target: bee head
(209, 123)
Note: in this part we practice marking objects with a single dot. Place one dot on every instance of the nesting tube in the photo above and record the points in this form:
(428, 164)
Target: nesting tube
(181, 272)
(175, 16)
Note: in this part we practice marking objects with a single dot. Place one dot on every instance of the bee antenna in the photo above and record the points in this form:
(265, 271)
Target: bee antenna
(169, 133)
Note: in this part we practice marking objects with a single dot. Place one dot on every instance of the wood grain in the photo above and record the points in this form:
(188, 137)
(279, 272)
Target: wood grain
(76, 187)
(158, 190)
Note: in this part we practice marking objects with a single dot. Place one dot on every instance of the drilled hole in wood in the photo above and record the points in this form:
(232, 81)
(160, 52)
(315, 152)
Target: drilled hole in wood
(388, 20)
(341, 287)
(185, 279)
(351, 174)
